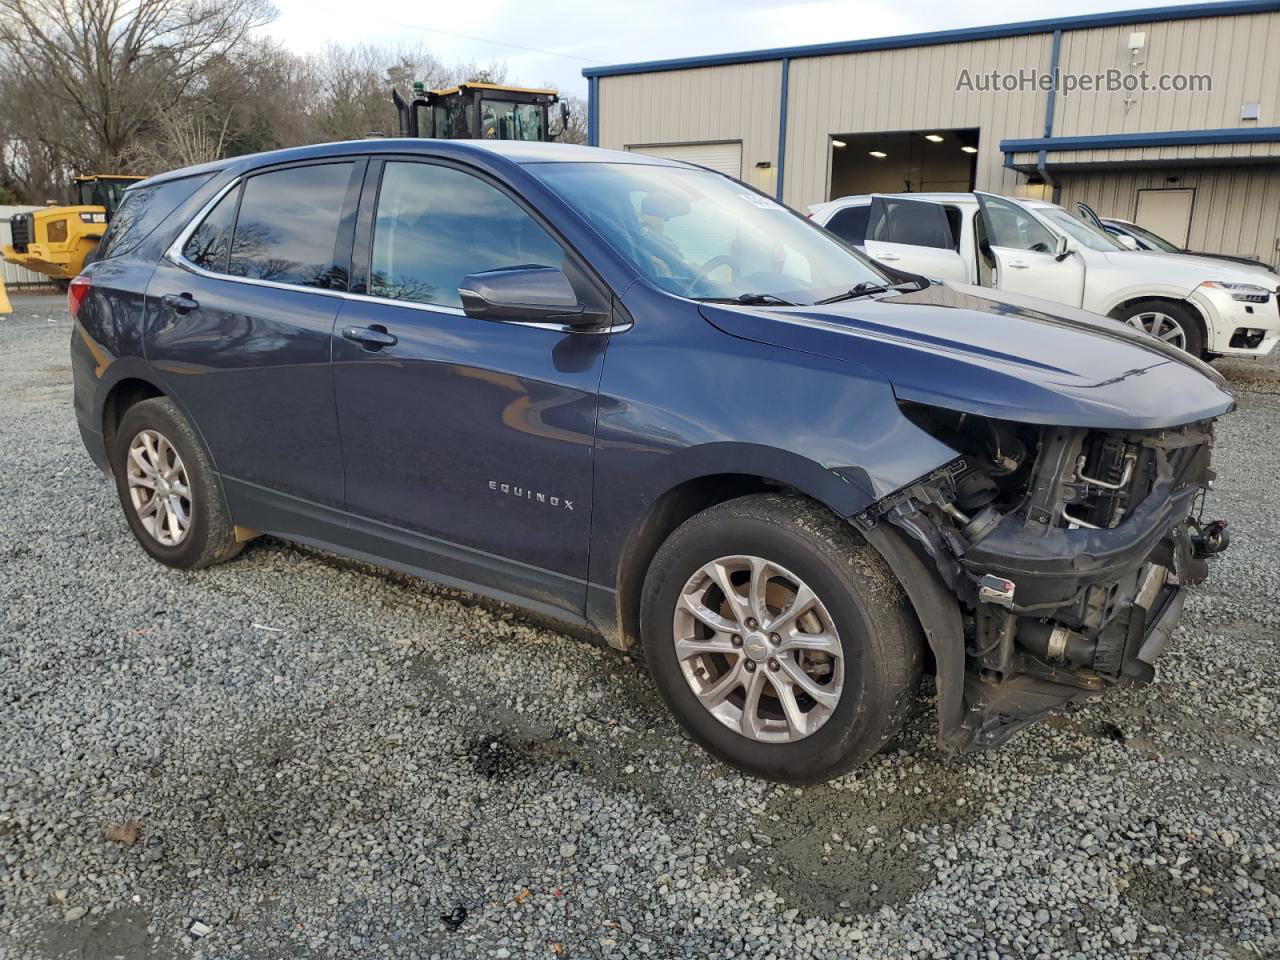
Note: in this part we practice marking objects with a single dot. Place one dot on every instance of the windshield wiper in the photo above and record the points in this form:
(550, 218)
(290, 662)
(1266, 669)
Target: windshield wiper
(863, 289)
(749, 300)
(866, 288)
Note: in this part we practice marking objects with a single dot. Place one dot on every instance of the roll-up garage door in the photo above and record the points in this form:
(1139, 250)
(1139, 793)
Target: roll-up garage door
(724, 157)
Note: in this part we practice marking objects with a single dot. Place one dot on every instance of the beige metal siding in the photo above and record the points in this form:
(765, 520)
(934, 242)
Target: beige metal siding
(1237, 209)
(1237, 53)
(738, 102)
(911, 89)
(915, 89)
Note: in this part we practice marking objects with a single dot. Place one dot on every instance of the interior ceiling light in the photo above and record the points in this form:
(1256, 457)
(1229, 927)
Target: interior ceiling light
(838, 143)
(933, 137)
(968, 149)
(879, 154)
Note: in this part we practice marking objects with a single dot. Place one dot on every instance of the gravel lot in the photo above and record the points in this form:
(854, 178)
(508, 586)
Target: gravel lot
(324, 760)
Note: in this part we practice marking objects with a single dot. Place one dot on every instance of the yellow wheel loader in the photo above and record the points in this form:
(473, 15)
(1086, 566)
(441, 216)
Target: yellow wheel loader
(56, 240)
(480, 111)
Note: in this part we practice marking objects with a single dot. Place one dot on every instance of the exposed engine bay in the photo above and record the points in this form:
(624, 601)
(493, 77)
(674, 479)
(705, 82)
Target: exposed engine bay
(1068, 549)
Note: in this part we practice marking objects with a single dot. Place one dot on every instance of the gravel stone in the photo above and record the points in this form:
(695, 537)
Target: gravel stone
(332, 761)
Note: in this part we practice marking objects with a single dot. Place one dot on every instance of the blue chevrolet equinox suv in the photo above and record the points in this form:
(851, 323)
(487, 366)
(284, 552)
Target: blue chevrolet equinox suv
(641, 397)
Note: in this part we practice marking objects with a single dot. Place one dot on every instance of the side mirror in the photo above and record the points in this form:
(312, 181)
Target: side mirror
(564, 122)
(1062, 249)
(526, 295)
(1125, 241)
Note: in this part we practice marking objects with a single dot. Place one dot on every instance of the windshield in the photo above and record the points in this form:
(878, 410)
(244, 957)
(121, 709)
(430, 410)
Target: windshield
(699, 234)
(1086, 234)
(1148, 238)
(102, 192)
(503, 120)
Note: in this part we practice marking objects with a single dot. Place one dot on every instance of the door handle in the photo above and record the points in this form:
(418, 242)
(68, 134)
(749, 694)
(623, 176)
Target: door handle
(182, 302)
(373, 337)
(1018, 264)
(888, 256)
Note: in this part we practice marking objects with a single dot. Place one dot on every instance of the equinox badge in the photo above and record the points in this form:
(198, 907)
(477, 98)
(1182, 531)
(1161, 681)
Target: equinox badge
(533, 496)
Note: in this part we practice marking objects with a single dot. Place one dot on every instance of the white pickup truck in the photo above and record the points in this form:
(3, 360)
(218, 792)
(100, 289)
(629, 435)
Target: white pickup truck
(1034, 248)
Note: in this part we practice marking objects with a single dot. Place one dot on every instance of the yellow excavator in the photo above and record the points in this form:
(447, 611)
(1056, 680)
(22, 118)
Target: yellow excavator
(480, 111)
(56, 240)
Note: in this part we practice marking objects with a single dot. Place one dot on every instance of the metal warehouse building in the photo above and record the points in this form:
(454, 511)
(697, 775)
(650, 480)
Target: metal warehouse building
(1192, 153)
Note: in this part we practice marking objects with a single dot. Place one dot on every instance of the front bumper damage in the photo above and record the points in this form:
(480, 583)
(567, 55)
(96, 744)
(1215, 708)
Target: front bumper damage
(1060, 558)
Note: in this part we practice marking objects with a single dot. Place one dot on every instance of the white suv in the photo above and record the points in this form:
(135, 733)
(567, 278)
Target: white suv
(1037, 249)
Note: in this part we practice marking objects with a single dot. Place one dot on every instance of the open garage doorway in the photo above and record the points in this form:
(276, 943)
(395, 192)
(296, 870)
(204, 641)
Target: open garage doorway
(912, 161)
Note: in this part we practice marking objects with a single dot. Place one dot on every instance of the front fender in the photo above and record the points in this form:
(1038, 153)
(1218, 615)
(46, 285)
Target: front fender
(846, 490)
(1112, 299)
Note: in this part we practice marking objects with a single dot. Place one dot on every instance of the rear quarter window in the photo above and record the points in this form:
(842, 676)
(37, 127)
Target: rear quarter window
(850, 224)
(144, 208)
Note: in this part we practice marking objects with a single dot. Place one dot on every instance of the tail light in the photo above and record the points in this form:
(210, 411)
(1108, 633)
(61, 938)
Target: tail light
(76, 293)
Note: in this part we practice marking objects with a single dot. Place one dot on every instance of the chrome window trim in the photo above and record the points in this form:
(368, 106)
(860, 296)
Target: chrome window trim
(174, 255)
(392, 301)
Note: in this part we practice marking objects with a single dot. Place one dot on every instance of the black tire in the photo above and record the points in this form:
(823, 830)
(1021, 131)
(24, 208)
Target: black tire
(210, 536)
(1185, 317)
(878, 634)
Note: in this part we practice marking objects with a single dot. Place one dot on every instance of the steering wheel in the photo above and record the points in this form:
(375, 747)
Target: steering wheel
(723, 260)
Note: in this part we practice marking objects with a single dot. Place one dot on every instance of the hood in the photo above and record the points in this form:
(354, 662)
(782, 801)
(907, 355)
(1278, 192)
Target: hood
(68, 210)
(1194, 270)
(958, 347)
(1249, 263)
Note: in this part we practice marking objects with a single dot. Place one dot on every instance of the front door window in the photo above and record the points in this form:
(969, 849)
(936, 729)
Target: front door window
(435, 225)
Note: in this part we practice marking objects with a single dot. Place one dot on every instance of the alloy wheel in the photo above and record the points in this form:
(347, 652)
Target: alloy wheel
(159, 488)
(1161, 325)
(758, 649)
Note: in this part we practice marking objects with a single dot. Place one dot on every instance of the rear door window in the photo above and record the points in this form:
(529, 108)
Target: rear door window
(143, 209)
(850, 224)
(955, 223)
(287, 228)
(914, 222)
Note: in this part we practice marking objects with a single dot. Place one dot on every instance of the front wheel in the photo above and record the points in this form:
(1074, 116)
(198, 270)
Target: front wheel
(1169, 321)
(779, 638)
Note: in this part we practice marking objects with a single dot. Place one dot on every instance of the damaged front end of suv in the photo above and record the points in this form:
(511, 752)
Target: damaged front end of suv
(1068, 549)
(1047, 551)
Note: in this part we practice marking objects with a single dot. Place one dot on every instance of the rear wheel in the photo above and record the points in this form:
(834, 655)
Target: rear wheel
(779, 638)
(1168, 320)
(171, 496)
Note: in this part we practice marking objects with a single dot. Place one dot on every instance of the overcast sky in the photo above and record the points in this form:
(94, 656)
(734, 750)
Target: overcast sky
(566, 35)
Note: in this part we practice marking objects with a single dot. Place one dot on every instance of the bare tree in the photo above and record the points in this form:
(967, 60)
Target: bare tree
(353, 87)
(185, 139)
(33, 160)
(109, 69)
(141, 86)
